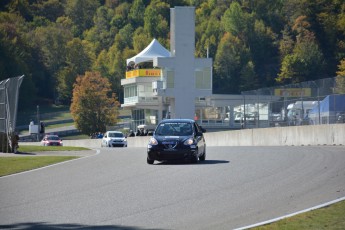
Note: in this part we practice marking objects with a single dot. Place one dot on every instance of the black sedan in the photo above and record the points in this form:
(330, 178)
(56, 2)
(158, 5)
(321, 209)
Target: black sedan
(177, 139)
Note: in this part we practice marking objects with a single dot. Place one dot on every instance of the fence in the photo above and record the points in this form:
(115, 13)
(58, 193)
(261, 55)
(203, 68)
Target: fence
(9, 91)
(307, 103)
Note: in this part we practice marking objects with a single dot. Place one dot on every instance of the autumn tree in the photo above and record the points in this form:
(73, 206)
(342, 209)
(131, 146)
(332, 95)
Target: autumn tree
(94, 106)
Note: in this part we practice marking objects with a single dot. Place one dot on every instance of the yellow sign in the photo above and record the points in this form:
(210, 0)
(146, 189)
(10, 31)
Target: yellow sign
(143, 73)
(293, 92)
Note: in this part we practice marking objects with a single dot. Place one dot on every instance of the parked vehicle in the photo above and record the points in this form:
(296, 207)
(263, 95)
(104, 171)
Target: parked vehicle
(298, 112)
(114, 139)
(51, 140)
(177, 139)
(331, 110)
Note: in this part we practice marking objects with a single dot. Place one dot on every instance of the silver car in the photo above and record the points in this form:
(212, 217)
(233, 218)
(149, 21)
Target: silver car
(114, 139)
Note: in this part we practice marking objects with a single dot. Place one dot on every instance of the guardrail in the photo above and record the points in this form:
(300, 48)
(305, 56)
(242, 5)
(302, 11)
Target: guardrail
(278, 136)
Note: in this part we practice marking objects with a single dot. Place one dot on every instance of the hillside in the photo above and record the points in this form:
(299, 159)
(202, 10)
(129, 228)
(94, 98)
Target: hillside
(253, 44)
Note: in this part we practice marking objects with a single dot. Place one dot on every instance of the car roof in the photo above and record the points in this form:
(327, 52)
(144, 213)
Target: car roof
(177, 120)
(114, 131)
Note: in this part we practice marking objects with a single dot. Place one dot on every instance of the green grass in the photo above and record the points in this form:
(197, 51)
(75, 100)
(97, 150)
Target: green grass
(37, 148)
(330, 218)
(62, 112)
(59, 125)
(11, 165)
(75, 137)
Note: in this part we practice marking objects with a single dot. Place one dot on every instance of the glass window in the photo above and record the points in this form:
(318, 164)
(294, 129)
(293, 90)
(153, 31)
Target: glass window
(203, 78)
(170, 79)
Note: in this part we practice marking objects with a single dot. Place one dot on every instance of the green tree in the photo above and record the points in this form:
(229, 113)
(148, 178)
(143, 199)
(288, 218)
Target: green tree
(140, 39)
(136, 14)
(306, 62)
(50, 43)
(18, 57)
(49, 9)
(230, 59)
(340, 78)
(249, 80)
(102, 33)
(81, 12)
(235, 20)
(155, 22)
(209, 33)
(78, 60)
(94, 106)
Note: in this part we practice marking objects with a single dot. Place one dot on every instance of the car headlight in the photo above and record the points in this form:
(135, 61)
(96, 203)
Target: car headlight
(153, 141)
(189, 141)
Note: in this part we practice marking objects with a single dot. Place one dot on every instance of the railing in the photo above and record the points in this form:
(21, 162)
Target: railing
(136, 99)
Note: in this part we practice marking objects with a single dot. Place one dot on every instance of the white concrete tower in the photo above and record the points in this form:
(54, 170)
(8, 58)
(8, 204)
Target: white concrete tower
(184, 77)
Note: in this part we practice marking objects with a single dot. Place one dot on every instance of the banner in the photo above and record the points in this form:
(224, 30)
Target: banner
(293, 92)
(143, 73)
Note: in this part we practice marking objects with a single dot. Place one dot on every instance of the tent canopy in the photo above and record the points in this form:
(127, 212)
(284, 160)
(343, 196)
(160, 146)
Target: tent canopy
(154, 49)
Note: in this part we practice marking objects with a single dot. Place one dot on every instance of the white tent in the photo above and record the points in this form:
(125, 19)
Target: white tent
(155, 49)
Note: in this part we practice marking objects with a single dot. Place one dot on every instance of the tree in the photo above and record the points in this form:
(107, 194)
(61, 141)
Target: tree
(94, 106)
(78, 60)
(230, 59)
(306, 62)
(340, 79)
(235, 20)
(81, 12)
(156, 24)
(249, 79)
(136, 14)
(102, 33)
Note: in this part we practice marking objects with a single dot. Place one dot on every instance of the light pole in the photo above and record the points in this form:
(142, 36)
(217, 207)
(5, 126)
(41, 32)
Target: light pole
(38, 122)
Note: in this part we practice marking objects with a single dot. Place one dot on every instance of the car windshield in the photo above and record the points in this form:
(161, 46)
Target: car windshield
(53, 138)
(115, 135)
(174, 129)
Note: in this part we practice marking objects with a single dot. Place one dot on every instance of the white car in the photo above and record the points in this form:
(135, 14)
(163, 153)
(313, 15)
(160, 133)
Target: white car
(114, 139)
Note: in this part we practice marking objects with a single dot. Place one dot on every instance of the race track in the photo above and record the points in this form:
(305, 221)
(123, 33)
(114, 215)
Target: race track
(116, 189)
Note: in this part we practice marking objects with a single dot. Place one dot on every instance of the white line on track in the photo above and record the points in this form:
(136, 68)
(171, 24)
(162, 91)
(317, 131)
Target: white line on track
(292, 214)
(48, 166)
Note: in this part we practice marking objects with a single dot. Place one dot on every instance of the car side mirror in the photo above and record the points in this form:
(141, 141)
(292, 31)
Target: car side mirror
(198, 134)
(202, 129)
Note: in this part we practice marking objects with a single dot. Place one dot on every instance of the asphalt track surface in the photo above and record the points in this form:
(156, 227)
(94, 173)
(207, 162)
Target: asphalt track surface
(116, 189)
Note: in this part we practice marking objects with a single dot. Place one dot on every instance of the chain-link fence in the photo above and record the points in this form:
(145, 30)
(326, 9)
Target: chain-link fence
(307, 103)
(9, 92)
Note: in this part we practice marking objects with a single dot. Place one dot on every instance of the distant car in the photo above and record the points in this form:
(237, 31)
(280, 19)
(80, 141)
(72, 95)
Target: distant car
(51, 140)
(177, 139)
(114, 139)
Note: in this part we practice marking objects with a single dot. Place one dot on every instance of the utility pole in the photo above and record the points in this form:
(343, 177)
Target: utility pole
(38, 123)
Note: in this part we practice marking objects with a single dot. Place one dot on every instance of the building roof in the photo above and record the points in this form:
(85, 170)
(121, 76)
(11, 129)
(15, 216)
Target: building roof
(154, 49)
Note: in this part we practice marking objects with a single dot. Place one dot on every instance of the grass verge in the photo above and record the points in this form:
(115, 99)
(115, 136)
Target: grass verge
(37, 148)
(11, 165)
(330, 217)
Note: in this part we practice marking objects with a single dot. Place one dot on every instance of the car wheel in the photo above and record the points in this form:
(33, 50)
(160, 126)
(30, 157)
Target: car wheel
(203, 157)
(195, 158)
(149, 161)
